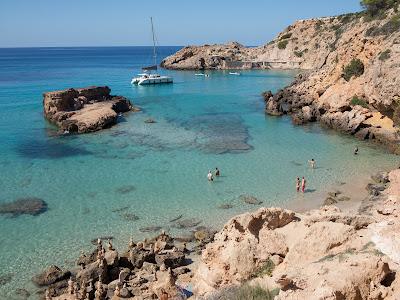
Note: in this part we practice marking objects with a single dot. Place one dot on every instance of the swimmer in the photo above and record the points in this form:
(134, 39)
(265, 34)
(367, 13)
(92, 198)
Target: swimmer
(312, 163)
(210, 176)
(298, 184)
(217, 173)
(303, 184)
(356, 150)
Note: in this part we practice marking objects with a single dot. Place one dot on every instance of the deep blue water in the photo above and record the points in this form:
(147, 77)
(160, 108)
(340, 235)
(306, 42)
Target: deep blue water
(93, 183)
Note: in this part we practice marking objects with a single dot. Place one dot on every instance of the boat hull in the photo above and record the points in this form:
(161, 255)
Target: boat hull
(150, 81)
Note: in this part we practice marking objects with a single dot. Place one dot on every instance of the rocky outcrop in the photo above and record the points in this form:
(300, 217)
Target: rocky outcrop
(321, 254)
(84, 110)
(147, 270)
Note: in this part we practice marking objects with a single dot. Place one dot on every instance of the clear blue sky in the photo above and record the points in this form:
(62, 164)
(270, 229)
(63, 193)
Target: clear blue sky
(27, 23)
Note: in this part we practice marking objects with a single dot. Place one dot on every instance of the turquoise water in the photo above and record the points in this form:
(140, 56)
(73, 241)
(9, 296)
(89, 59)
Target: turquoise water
(155, 171)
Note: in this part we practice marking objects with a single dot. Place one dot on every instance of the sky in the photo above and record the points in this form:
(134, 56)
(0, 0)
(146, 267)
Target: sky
(53, 23)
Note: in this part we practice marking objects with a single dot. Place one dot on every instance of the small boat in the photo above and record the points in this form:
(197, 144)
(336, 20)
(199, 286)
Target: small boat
(234, 73)
(147, 77)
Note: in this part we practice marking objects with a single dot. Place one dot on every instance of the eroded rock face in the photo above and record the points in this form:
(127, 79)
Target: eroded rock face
(84, 110)
(244, 243)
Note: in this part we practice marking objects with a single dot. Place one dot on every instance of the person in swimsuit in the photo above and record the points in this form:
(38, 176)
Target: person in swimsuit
(312, 163)
(356, 150)
(303, 184)
(217, 173)
(298, 184)
(210, 176)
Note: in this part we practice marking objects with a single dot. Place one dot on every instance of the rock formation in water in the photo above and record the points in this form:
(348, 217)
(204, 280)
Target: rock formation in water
(84, 110)
(28, 206)
(350, 79)
(322, 254)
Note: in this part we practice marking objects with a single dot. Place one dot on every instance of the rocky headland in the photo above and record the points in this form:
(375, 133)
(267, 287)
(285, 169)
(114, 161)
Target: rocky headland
(84, 110)
(349, 67)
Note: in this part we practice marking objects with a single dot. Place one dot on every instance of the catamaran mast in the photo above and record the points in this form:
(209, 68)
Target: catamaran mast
(154, 42)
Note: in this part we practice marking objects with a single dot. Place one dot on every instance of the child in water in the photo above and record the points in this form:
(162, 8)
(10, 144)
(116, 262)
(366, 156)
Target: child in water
(298, 184)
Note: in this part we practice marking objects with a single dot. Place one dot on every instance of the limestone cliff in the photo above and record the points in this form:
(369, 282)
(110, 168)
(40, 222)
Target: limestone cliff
(350, 79)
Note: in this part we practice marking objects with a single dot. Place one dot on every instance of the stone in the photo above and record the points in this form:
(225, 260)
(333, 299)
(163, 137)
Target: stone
(187, 223)
(84, 110)
(170, 259)
(29, 206)
(50, 276)
(250, 199)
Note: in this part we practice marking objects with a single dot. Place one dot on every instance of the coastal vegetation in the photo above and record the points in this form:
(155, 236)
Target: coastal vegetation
(282, 44)
(376, 8)
(354, 69)
(358, 101)
(384, 55)
(247, 291)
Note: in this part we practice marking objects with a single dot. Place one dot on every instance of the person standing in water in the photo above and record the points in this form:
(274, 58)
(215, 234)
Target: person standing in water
(210, 176)
(217, 173)
(312, 163)
(298, 184)
(356, 150)
(303, 184)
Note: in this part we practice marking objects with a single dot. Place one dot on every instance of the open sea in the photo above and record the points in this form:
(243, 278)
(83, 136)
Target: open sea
(135, 175)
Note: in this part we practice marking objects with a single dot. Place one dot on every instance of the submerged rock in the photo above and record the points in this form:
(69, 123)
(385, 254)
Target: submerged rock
(125, 189)
(130, 217)
(29, 206)
(150, 229)
(176, 218)
(187, 223)
(5, 278)
(250, 199)
(225, 206)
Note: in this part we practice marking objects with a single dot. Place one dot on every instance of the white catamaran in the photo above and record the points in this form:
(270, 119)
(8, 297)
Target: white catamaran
(151, 78)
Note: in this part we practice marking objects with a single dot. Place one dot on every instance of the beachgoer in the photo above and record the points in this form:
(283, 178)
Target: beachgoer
(356, 150)
(303, 184)
(298, 184)
(312, 163)
(164, 295)
(210, 176)
(217, 173)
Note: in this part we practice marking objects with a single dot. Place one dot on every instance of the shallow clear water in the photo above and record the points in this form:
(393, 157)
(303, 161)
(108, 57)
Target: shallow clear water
(155, 171)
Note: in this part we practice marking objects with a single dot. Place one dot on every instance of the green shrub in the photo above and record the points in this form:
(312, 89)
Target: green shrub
(393, 25)
(378, 7)
(354, 68)
(248, 292)
(286, 36)
(266, 269)
(283, 44)
(318, 25)
(384, 55)
(358, 101)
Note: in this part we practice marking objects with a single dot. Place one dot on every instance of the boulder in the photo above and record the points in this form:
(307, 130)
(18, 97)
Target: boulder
(84, 110)
(171, 260)
(50, 276)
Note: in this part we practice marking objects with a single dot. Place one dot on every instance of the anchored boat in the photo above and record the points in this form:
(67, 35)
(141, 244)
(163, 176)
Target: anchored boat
(148, 77)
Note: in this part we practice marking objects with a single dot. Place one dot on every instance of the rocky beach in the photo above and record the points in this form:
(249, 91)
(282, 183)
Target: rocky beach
(128, 212)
